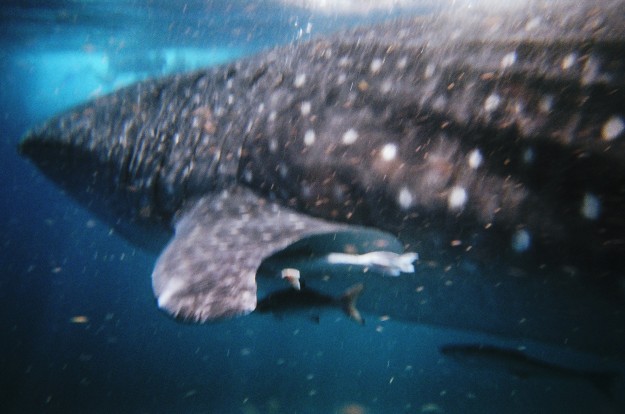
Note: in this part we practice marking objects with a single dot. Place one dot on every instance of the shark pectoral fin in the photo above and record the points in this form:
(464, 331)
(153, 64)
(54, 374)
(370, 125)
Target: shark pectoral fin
(208, 270)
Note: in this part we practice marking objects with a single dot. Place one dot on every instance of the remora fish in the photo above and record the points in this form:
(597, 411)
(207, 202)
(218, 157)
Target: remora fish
(486, 140)
(524, 366)
(289, 300)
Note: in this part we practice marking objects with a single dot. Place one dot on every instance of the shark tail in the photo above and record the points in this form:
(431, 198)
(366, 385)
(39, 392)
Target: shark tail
(348, 302)
(603, 381)
(406, 260)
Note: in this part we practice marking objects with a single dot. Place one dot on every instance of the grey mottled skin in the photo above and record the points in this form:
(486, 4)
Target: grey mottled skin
(539, 137)
(490, 141)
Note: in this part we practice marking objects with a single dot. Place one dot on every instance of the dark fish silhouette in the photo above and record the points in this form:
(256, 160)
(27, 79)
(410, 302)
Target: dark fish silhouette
(491, 142)
(289, 301)
(524, 366)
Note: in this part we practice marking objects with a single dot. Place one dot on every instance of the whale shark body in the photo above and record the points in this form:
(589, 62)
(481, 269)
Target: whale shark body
(491, 143)
(524, 366)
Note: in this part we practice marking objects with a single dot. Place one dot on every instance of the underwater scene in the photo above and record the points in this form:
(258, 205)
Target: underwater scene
(308, 206)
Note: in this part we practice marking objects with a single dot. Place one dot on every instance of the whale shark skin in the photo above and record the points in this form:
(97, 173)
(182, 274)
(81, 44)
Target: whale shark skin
(491, 143)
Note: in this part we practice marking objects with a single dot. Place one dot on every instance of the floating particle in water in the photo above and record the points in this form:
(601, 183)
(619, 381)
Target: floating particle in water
(353, 408)
(79, 319)
(431, 408)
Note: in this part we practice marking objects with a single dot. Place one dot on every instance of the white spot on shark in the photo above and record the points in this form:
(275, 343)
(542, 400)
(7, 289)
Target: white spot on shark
(492, 102)
(475, 158)
(389, 152)
(309, 137)
(439, 103)
(532, 24)
(546, 104)
(300, 80)
(386, 86)
(350, 136)
(568, 61)
(376, 65)
(305, 108)
(306, 191)
(612, 128)
(273, 146)
(590, 71)
(345, 62)
(248, 176)
(401, 63)
(405, 198)
(508, 60)
(429, 71)
(457, 198)
(283, 170)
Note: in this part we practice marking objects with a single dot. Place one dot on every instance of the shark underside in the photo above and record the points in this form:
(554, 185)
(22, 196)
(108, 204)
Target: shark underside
(492, 143)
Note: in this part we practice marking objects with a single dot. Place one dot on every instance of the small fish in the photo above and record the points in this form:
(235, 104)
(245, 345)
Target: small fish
(524, 366)
(292, 276)
(308, 300)
(390, 262)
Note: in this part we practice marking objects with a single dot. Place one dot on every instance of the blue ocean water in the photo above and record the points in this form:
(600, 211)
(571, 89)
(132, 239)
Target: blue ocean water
(80, 328)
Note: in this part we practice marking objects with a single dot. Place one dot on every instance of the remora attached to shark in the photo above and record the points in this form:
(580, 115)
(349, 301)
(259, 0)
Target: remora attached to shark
(291, 300)
(491, 142)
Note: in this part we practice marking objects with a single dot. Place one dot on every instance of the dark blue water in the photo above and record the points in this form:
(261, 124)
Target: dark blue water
(80, 330)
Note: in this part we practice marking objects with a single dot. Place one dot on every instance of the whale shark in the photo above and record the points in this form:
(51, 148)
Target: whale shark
(524, 366)
(489, 140)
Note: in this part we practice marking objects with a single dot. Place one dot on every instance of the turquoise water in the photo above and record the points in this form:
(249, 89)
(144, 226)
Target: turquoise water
(80, 328)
